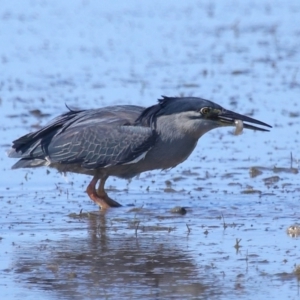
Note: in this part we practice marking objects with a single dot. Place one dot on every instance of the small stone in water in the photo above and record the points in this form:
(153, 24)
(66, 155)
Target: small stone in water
(178, 210)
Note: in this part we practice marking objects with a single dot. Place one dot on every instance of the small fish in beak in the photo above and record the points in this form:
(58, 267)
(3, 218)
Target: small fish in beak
(239, 126)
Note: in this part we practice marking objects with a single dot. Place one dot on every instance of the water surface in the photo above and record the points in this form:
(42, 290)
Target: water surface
(240, 192)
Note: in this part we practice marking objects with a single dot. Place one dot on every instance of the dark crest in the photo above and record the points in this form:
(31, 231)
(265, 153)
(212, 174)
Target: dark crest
(168, 106)
(149, 115)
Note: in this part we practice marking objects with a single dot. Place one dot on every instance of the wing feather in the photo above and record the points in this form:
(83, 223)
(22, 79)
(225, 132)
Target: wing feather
(93, 138)
(97, 146)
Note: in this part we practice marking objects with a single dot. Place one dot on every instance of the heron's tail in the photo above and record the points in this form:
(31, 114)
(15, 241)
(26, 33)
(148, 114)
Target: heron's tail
(30, 163)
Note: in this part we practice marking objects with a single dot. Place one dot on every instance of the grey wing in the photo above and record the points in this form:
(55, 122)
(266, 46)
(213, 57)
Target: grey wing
(97, 146)
(67, 136)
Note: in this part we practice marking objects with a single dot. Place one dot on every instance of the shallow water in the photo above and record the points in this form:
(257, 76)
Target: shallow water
(241, 193)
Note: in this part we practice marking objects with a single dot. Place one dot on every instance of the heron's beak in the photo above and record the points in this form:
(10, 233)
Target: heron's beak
(227, 117)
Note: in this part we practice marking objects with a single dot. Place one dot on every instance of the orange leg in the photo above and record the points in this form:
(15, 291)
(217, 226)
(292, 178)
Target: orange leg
(100, 197)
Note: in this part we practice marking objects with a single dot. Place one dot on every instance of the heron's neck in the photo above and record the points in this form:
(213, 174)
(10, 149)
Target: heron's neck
(174, 127)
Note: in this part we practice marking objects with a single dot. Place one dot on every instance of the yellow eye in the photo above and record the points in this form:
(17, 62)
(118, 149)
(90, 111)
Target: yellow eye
(205, 110)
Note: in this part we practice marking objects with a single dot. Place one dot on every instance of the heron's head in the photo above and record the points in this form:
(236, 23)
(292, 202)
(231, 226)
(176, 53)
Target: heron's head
(198, 116)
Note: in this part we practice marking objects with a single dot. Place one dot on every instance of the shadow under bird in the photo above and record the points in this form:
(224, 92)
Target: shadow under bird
(123, 140)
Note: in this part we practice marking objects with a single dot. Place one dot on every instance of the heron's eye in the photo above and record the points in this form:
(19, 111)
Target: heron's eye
(205, 110)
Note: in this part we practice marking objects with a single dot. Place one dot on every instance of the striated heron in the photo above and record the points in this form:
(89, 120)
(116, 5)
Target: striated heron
(123, 140)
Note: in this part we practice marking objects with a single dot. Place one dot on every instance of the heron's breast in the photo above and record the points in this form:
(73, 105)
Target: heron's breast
(166, 155)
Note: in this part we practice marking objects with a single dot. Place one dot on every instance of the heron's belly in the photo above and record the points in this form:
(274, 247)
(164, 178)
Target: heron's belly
(157, 158)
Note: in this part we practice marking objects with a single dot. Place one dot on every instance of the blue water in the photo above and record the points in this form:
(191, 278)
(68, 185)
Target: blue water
(241, 54)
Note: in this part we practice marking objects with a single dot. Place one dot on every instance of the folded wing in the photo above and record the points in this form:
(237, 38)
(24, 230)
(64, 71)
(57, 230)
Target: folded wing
(91, 138)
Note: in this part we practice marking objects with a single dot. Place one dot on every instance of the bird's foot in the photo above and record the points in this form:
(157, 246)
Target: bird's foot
(103, 200)
(110, 202)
